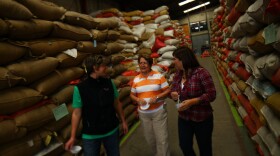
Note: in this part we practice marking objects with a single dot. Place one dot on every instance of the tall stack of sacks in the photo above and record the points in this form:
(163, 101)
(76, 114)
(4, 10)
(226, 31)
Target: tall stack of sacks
(119, 72)
(31, 72)
(255, 43)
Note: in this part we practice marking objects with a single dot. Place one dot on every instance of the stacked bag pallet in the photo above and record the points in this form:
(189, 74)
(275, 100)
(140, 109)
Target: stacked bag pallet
(41, 52)
(159, 35)
(42, 48)
(245, 43)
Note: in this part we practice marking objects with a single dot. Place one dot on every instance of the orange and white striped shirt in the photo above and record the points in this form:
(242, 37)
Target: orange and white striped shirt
(150, 86)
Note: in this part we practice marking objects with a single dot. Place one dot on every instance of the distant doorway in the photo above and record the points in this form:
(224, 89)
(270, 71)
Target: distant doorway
(200, 42)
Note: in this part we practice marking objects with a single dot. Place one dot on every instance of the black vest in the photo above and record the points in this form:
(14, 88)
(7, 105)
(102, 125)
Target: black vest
(98, 112)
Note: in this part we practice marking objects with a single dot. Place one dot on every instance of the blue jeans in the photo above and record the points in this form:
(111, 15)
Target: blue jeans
(203, 133)
(111, 144)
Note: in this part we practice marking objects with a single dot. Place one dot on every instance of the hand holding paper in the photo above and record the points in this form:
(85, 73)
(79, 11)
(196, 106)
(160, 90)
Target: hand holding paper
(187, 104)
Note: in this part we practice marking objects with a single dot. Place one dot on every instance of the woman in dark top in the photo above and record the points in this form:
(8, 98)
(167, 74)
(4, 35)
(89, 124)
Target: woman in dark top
(194, 88)
(96, 103)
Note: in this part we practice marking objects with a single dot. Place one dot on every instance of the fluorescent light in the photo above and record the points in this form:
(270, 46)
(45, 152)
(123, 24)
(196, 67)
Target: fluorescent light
(185, 2)
(196, 7)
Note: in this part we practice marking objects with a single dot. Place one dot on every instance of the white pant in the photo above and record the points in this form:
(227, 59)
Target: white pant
(155, 131)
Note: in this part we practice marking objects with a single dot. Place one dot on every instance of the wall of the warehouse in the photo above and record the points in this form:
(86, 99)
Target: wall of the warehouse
(201, 38)
(197, 17)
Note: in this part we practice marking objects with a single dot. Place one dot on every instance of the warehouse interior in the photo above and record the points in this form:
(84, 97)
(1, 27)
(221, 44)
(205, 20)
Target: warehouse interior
(44, 43)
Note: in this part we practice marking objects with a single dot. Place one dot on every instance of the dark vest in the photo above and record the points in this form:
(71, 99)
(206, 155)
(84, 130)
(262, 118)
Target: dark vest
(98, 112)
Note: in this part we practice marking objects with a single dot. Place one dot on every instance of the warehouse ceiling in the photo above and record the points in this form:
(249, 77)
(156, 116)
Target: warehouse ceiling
(175, 11)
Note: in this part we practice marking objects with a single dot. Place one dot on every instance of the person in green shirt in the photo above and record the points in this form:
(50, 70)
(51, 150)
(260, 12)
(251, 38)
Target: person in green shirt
(96, 103)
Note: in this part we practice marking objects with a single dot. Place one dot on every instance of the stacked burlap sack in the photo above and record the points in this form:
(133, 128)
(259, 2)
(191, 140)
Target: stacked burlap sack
(41, 50)
(249, 48)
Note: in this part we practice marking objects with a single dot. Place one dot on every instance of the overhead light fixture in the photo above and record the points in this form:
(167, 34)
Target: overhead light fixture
(185, 2)
(196, 7)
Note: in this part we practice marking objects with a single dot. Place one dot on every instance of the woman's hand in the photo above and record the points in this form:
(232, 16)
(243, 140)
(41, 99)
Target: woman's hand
(153, 100)
(188, 103)
(69, 144)
(141, 102)
(174, 95)
(124, 127)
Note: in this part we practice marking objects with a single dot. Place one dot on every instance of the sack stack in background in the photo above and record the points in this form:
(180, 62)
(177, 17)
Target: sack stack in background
(245, 43)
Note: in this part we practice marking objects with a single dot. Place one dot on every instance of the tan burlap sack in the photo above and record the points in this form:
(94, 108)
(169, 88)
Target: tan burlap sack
(127, 54)
(66, 131)
(50, 83)
(257, 43)
(164, 12)
(10, 52)
(91, 47)
(12, 10)
(118, 69)
(241, 85)
(149, 22)
(111, 10)
(56, 126)
(29, 145)
(33, 69)
(66, 61)
(99, 35)
(3, 28)
(258, 104)
(273, 102)
(36, 117)
(78, 19)
(116, 82)
(127, 18)
(126, 101)
(63, 30)
(243, 5)
(7, 79)
(123, 79)
(159, 31)
(112, 48)
(132, 118)
(107, 23)
(147, 18)
(124, 92)
(117, 58)
(17, 98)
(47, 47)
(146, 36)
(44, 9)
(64, 95)
(128, 110)
(129, 38)
(31, 29)
(133, 13)
(10, 132)
(144, 51)
(113, 35)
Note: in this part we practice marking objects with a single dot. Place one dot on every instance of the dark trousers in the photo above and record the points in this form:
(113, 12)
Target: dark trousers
(111, 144)
(203, 133)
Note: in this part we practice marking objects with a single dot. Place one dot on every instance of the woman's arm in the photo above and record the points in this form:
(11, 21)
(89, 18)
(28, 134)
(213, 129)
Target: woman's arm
(76, 118)
(119, 110)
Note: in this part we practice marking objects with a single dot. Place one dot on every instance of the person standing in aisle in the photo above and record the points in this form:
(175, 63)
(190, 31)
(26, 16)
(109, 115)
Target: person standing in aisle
(194, 88)
(96, 102)
(149, 90)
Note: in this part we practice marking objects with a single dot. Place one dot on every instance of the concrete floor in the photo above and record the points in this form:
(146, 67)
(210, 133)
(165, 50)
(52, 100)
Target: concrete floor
(229, 138)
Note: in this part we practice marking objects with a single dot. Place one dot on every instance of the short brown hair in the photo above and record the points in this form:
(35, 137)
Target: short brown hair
(94, 60)
(147, 58)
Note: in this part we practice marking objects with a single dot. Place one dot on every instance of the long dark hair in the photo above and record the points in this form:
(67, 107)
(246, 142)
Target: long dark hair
(187, 57)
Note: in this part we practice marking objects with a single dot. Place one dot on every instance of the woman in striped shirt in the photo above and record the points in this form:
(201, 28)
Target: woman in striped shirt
(149, 89)
(194, 87)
